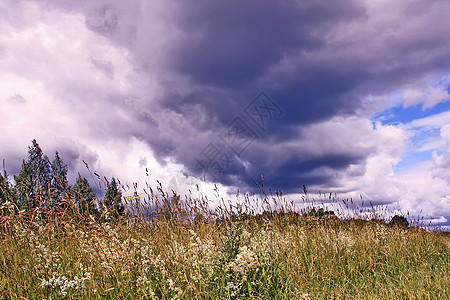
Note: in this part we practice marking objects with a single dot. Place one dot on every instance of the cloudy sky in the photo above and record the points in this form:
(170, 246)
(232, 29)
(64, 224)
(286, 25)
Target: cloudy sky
(350, 97)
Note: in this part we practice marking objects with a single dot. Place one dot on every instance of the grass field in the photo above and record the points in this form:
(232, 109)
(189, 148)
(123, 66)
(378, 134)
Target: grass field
(62, 255)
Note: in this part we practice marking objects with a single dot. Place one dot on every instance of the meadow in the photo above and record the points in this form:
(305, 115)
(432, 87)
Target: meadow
(189, 251)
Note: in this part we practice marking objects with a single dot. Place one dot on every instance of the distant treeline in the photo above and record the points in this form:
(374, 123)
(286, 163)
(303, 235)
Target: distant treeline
(43, 184)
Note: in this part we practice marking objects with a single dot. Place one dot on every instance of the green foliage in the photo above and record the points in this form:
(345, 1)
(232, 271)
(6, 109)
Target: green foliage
(113, 199)
(84, 197)
(59, 183)
(399, 221)
(40, 183)
(24, 188)
(40, 168)
(34, 180)
(5, 191)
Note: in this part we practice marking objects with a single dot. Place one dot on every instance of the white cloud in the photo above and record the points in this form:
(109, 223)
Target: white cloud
(428, 97)
(50, 89)
(424, 133)
(78, 92)
(420, 190)
(336, 135)
(378, 182)
(441, 163)
(424, 195)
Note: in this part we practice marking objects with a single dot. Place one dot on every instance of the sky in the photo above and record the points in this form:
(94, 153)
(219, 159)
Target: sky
(350, 97)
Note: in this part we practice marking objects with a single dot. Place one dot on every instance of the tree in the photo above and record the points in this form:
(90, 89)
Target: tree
(399, 221)
(40, 167)
(5, 191)
(3, 187)
(113, 199)
(59, 181)
(23, 189)
(33, 183)
(7, 199)
(84, 197)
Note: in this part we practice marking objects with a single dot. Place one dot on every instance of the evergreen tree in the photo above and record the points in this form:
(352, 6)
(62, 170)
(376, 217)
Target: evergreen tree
(399, 221)
(23, 189)
(5, 192)
(2, 189)
(84, 197)
(59, 181)
(6, 196)
(33, 182)
(40, 169)
(113, 199)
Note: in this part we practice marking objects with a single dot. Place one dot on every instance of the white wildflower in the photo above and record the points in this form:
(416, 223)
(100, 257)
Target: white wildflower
(245, 262)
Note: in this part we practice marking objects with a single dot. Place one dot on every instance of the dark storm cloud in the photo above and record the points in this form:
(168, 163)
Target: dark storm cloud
(227, 48)
(230, 44)
(293, 50)
(287, 167)
(319, 92)
(310, 171)
(316, 59)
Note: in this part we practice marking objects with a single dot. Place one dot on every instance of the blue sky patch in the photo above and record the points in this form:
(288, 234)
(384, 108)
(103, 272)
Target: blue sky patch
(400, 115)
(411, 159)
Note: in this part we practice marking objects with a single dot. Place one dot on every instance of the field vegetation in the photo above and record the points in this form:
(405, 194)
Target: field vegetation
(64, 243)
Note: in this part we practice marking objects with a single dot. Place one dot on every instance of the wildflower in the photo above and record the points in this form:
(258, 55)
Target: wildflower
(44, 283)
(245, 261)
(346, 240)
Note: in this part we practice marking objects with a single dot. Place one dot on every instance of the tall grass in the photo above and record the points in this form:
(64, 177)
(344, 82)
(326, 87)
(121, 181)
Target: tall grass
(188, 251)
